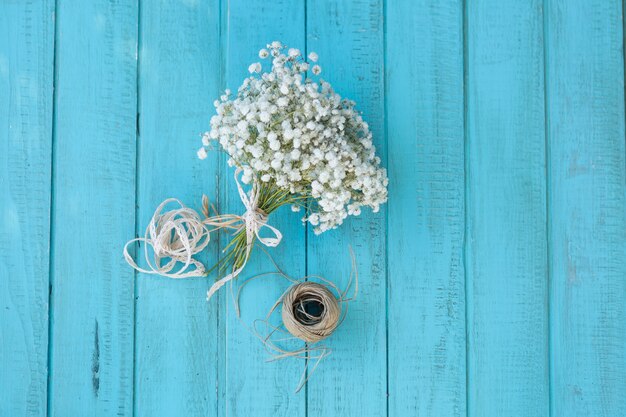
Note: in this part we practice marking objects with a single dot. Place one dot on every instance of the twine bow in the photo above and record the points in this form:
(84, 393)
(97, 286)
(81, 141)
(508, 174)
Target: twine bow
(253, 220)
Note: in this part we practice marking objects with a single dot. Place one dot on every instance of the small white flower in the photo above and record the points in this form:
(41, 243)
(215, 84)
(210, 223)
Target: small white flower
(313, 57)
(264, 117)
(314, 219)
(263, 53)
(254, 68)
(275, 164)
(242, 126)
(276, 45)
(293, 52)
(282, 101)
(202, 154)
(316, 69)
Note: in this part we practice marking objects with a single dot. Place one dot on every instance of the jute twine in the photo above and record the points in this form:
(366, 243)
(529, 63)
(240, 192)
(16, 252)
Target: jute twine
(174, 237)
(312, 307)
(311, 310)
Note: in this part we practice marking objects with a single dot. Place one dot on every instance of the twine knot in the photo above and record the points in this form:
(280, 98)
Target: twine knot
(253, 219)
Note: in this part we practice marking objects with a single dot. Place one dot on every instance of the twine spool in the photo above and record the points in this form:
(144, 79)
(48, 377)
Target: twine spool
(310, 311)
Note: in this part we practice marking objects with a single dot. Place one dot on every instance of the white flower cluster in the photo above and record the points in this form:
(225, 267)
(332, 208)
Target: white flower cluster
(294, 133)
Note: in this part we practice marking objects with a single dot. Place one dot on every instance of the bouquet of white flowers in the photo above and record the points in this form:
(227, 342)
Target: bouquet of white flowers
(296, 142)
(299, 143)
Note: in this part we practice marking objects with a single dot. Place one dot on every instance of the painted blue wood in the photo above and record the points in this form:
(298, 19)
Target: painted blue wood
(495, 286)
(587, 184)
(426, 226)
(354, 66)
(506, 244)
(26, 71)
(91, 371)
(179, 74)
(254, 386)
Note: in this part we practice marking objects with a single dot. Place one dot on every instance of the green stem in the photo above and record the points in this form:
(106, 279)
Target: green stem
(235, 253)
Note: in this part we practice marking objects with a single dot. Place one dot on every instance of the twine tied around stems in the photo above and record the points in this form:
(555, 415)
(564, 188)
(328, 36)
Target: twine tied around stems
(176, 236)
(253, 220)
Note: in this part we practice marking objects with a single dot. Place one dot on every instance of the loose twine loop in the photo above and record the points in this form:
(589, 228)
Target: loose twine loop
(180, 234)
(177, 235)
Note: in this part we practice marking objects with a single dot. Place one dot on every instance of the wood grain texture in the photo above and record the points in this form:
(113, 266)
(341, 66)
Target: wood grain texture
(348, 37)
(94, 199)
(253, 386)
(176, 330)
(26, 71)
(506, 253)
(492, 284)
(587, 207)
(426, 295)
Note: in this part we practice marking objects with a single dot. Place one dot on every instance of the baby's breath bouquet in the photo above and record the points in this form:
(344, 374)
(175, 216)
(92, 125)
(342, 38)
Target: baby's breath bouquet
(299, 143)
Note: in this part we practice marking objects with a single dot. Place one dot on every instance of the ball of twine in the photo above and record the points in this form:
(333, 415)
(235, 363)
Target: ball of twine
(310, 311)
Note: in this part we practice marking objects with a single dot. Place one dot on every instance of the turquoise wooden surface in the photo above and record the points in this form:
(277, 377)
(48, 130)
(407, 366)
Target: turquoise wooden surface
(26, 71)
(426, 226)
(493, 283)
(506, 252)
(90, 355)
(176, 346)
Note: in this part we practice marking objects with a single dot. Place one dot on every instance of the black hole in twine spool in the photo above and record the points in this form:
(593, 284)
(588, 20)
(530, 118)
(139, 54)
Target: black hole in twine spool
(310, 311)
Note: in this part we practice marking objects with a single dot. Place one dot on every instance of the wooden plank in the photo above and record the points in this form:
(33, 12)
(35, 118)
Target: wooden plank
(253, 386)
(426, 226)
(26, 71)
(348, 37)
(94, 198)
(179, 76)
(506, 253)
(354, 66)
(587, 207)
